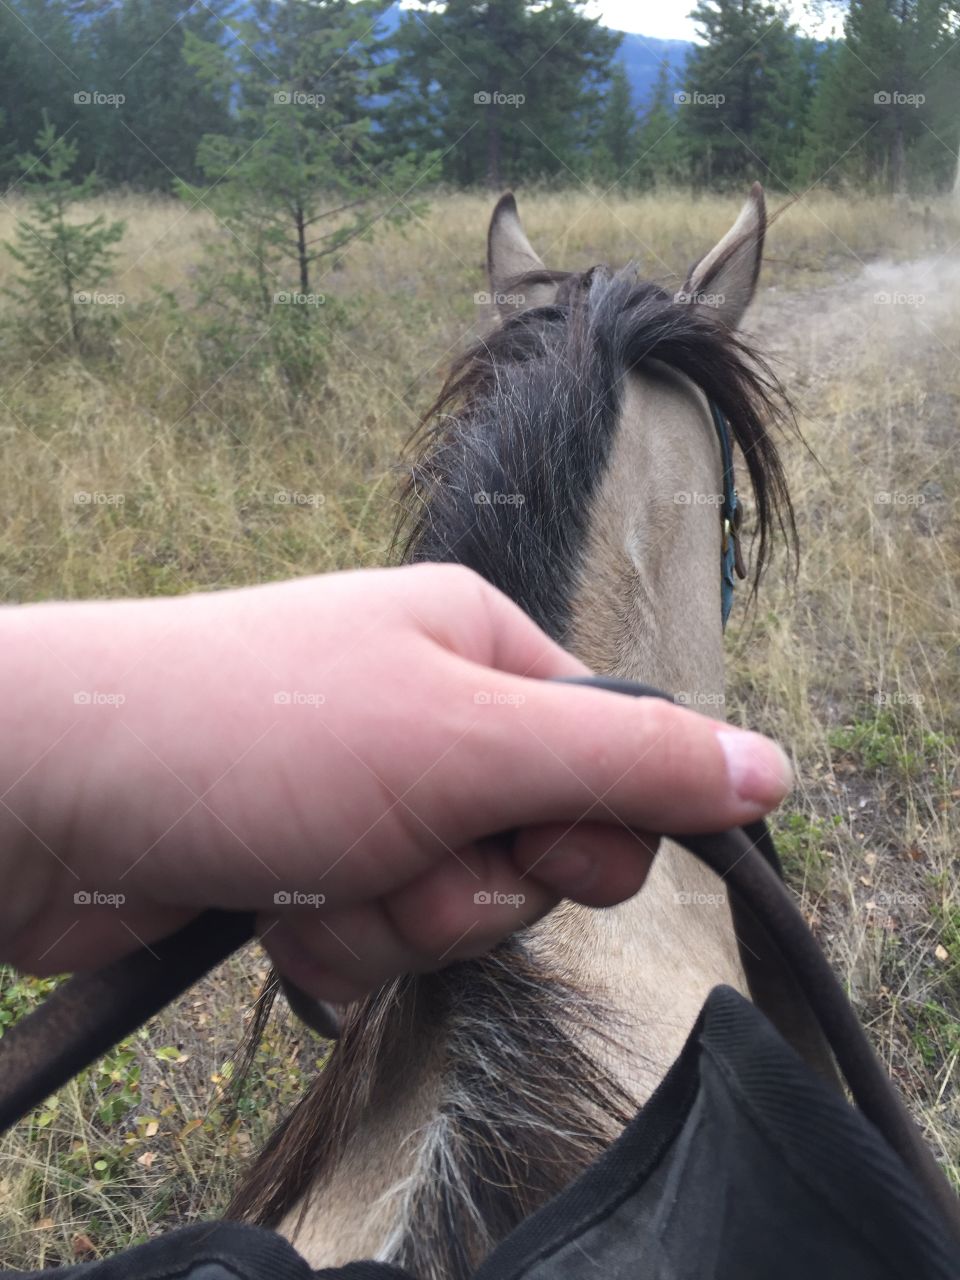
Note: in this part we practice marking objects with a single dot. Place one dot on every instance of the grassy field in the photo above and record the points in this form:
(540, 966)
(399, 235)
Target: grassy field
(854, 666)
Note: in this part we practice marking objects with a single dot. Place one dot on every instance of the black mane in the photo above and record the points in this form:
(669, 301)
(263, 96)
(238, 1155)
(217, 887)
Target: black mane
(527, 417)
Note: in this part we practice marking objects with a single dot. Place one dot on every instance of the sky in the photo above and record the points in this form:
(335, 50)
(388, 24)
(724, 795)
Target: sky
(668, 19)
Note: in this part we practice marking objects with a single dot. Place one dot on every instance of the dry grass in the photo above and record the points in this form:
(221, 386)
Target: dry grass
(855, 667)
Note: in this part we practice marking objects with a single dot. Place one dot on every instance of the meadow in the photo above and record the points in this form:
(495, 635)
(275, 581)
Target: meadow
(137, 472)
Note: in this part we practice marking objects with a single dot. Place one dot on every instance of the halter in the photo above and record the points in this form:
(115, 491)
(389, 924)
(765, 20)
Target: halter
(731, 513)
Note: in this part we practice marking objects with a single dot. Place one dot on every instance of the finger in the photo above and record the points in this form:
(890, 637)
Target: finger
(462, 907)
(466, 904)
(330, 957)
(545, 752)
(593, 864)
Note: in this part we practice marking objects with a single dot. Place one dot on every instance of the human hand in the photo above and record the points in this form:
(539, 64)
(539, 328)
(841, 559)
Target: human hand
(342, 755)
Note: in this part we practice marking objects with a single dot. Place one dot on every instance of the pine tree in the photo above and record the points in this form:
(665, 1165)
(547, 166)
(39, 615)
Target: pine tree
(616, 146)
(506, 90)
(661, 154)
(61, 262)
(886, 110)
(742, 111)
(301, 176)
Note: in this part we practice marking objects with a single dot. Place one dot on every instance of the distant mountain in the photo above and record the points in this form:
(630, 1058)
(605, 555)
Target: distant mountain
(642, 56)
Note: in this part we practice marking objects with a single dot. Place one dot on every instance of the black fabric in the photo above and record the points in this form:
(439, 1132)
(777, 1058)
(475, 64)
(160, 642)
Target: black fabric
(210, 1251)
(742, 1166)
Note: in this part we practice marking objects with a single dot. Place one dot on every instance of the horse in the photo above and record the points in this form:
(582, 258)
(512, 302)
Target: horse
(577, 458)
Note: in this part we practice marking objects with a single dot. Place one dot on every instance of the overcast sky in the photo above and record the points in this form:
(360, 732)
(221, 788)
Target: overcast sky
(668, 18)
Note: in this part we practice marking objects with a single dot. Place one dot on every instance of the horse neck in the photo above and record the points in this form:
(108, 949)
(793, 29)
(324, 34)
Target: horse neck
(648, 607)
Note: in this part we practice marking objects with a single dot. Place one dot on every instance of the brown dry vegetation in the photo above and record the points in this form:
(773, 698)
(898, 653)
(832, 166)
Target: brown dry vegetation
(853, 666)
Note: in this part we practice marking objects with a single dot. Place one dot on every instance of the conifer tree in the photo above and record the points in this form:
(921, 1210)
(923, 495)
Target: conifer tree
(61, 263)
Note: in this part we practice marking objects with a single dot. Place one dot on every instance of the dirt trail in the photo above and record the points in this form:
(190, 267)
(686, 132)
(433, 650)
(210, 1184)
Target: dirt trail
(826, 332)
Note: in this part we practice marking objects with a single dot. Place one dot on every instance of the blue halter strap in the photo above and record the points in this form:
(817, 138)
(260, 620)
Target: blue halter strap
(731, 561)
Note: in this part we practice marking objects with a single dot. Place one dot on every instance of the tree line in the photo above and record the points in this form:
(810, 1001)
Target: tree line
(164, 94)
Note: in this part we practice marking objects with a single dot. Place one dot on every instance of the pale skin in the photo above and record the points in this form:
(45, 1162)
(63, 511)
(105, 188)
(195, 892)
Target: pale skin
(362, 740)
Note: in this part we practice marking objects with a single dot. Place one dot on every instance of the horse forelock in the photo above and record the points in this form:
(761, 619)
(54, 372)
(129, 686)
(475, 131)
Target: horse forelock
(528, 414)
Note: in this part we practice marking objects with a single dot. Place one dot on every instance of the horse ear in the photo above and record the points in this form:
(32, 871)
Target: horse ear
(726, 277)
(509, 255)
